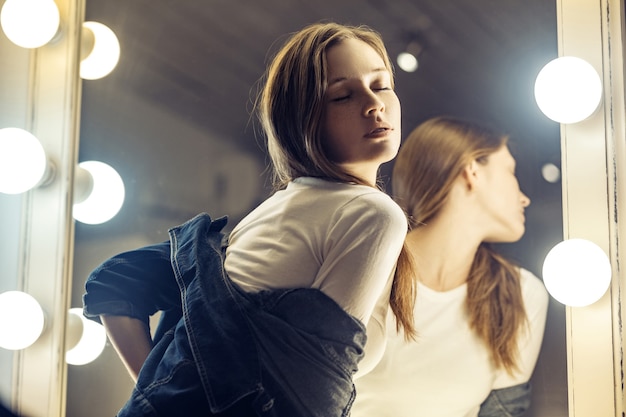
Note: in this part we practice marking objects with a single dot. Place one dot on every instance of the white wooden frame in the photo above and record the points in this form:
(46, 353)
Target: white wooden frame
(49, 108)
(594, 181)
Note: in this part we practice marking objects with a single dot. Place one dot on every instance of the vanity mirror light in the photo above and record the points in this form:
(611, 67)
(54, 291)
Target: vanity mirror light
(40, 93)
(157, 120)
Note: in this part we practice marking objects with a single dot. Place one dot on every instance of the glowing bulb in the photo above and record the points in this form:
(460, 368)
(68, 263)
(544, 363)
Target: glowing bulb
(550, 172)
(407, 61)
(104, 54)
(30, 23)
(89, 338)
(106, 196)
(568, 89)
(576, 272)
(21, 320)
(22, 161)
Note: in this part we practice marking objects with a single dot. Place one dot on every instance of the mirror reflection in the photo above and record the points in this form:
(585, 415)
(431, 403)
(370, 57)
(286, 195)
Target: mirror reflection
(174, 120)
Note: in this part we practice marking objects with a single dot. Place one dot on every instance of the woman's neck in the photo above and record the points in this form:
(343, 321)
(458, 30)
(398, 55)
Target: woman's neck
(442, 255)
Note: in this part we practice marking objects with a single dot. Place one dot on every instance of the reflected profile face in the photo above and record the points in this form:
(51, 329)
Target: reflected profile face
(361, 118)
(502, 200)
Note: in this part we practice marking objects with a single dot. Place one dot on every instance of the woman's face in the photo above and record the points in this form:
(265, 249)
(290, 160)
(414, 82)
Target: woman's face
(361, 118)
(502, 200)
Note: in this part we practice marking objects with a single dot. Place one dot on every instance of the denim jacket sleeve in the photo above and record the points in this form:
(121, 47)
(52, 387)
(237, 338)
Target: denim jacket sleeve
(511, 401)
(137, 284)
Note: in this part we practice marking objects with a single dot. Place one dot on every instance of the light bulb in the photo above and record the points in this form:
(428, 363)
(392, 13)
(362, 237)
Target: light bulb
(30, 23)
(576, 272)
(103, 56)
(21, 320)
(22, 161)
(568, 89)
(106, 197)
(407, 61)
(550, 172)
(91, 338)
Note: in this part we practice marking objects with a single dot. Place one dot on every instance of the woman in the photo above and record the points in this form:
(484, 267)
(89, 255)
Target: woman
(479, 318)
(274, 322)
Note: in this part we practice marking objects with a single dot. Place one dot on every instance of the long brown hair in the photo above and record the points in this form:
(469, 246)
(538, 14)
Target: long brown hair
(290, 108)
(430, 160)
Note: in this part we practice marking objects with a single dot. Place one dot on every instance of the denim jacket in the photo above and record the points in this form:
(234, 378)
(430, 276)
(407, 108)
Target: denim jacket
(507, 402)
(218, 349)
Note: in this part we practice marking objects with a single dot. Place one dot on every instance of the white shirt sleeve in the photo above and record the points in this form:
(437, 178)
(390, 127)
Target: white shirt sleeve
(361, 251)
(377, 331)
(536, 303)
(339, 238)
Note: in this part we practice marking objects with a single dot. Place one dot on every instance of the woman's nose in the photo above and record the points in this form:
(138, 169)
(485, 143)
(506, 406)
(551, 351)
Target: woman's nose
(373, 104)
(525, 199)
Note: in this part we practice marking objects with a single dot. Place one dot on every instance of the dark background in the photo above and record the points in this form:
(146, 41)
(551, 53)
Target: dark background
(174, 120)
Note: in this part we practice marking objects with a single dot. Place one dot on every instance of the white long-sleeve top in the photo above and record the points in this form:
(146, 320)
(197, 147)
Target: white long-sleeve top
(343, 239)
(448, 371)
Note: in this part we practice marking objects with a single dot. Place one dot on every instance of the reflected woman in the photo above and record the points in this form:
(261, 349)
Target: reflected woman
(273, 322)
(479, 318)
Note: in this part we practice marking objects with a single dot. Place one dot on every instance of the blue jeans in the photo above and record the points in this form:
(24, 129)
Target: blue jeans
(507, 402)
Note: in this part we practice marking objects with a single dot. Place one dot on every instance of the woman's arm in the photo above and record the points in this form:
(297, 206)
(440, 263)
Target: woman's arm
(136, 283)
(131, 339)
(358, 269)
(124, 292)
(511, 395)
(377, 333)
(531, 335)
(362, 248)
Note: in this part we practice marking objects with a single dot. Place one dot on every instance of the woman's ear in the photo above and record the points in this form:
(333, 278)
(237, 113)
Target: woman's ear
(470, 174)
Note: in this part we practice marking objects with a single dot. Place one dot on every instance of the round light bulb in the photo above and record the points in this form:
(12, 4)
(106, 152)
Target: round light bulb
(91, 341)
(30, 23)
(106, 197)
(576, 272)
(550, 172)
(408, 62)
(22, 161)
(21, 320)
(104, 54)
(568, 89)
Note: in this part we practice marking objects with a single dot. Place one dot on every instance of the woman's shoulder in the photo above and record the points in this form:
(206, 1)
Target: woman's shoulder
(365, 195)
(348, 202)
(374, 205)
(533, 288)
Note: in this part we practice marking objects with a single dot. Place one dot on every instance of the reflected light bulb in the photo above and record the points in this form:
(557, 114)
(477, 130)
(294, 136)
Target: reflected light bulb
(21, 320)
(104, 54)
(550, 172)
(22, 161)
(106, 196)
(407, 61)
(568, 89)
(577, 272)
(91, 341)
(30, 23)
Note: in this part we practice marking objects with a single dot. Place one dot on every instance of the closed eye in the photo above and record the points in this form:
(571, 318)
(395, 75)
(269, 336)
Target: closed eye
(342, 98)
(347, 96)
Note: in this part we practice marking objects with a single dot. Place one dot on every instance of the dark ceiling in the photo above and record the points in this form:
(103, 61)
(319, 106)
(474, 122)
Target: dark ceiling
(194, 64)
(203, 57)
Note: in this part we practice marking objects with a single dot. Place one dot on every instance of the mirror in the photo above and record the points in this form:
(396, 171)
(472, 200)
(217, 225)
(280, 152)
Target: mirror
(174, 120)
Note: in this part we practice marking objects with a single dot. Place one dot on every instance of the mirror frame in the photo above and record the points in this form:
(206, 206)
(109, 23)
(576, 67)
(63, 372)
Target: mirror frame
(41, 94)
(593, 169)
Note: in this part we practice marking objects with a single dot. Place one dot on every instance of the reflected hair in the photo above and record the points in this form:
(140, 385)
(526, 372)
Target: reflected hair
(432, 157)
(290, 107)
